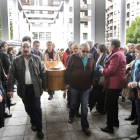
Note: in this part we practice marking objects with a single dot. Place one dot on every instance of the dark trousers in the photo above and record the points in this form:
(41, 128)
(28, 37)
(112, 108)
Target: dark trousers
(112, 107)
(100, 106)
(68, 99)
(1, 116)
(33, 107)
(133, 111)
(84, 96)
(51, 92)
(137, 102)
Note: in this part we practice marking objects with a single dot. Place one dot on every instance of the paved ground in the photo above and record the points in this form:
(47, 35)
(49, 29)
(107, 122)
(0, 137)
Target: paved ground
(55, 125)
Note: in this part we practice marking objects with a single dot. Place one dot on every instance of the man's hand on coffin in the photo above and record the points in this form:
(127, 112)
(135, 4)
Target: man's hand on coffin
(10, 94)
(66, 87)
(46, 90)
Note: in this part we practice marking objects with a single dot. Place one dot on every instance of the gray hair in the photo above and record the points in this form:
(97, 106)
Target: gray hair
(26, 42)
(102, 47)
(129, 44)
(90, 42)
(73, 45)
(83, 44)
(125, 47)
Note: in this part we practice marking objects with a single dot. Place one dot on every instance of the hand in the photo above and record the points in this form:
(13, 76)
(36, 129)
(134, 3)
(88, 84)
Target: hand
(5, 76)
(66, 87)
(46, 90)
(1, 98)
(101, 71)
(129, 85)
(133, 84)
(91, 87)
(10, 94)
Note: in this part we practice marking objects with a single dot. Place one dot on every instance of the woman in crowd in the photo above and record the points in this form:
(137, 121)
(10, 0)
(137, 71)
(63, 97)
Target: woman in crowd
(135, 84)
(115, 73)
(101, 50)
(10, 53)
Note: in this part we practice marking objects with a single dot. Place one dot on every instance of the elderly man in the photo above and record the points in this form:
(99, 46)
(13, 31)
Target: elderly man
(47, 55)
(79, 76)
(93, 50)
(28, 39)
(31, 77)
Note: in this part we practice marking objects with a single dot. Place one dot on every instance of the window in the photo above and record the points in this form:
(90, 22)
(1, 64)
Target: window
(35, 35)
(84, 36)
(48, 36)
(41, 36)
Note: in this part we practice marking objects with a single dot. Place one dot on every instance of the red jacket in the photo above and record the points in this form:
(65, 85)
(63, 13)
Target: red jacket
(77, 76)
(115, 68)
(63, 60)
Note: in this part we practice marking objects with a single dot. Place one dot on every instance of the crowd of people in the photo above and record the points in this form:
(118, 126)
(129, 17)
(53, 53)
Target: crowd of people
(96, 75)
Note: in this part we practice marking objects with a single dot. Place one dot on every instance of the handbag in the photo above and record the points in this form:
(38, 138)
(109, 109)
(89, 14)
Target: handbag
(102, 80)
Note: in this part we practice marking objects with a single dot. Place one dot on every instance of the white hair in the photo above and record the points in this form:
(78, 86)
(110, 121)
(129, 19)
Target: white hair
(125, 47)
(73, 45)
(129, 44)
(83, 44)
(90, 42)
(121, 47)
(26, 42)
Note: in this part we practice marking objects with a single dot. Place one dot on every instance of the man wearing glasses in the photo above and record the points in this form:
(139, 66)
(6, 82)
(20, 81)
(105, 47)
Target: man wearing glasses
(79, 79)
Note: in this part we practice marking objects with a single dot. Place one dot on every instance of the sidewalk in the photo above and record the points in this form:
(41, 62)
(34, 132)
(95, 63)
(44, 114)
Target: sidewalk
(55, 125)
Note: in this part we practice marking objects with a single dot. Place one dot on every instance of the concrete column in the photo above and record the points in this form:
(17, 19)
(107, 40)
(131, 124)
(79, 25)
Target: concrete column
(76, 21)
(98, 21)
(15, 20)
(5, 23)
(122, 31)
(66, 23)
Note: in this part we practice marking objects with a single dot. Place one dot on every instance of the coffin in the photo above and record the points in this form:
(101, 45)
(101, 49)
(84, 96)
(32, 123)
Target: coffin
(56, 74)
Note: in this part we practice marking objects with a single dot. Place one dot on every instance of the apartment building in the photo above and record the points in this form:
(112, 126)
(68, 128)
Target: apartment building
(113, 16)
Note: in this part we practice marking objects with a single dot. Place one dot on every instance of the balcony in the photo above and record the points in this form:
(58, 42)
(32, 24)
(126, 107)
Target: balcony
(127, 18)
(111, 17)
(83, 7)
(111, 31)
(25, 2)
(128, 10)
(84, 19)
(110, 11)
(110, 24)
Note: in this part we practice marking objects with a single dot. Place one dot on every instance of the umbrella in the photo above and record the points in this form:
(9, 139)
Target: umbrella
(14, 43)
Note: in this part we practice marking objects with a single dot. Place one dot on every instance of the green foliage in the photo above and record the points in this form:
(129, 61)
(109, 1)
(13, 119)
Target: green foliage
(133, 32)
(11, 31)
(60, 54)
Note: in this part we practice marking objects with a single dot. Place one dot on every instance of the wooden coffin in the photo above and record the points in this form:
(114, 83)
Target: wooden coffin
(56, 74)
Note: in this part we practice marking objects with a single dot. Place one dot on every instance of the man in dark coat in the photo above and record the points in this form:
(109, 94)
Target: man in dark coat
(93, 50)
(27, 38)
(5, 64)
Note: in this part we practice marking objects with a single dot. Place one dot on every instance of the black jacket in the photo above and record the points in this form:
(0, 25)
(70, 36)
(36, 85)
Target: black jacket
(4, 57)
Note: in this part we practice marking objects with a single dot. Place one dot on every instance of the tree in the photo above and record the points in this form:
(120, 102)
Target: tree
(133, 32)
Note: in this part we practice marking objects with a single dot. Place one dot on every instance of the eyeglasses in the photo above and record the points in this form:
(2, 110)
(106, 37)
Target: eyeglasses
(85, 51)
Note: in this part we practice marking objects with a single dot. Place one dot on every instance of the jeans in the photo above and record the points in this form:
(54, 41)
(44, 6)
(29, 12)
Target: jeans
(83, 95)
(137, 102)
(112, 107)
(33, 107)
